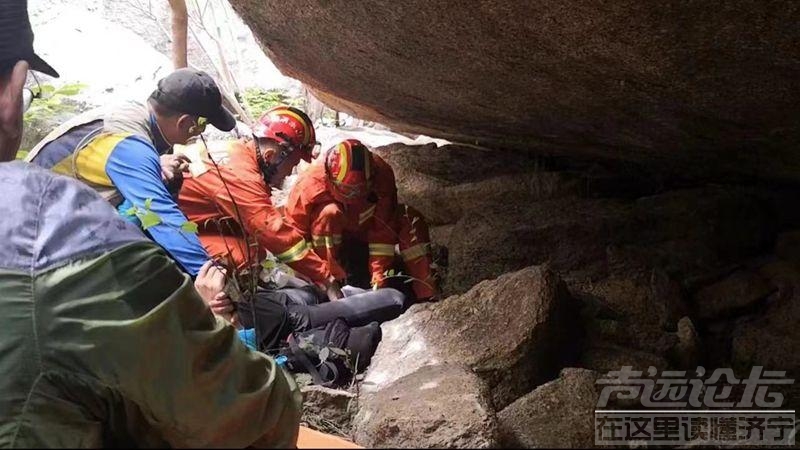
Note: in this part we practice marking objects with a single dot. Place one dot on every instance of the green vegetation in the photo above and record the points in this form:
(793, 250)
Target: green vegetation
(52, 104)
(259, 100)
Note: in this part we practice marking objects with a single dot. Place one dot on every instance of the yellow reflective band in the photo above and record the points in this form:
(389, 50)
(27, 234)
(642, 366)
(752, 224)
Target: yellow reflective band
(296, 253)
(344, 162)
(363, 217)
(306, 133)
(326, 241)
(381, 249)
(415, 252)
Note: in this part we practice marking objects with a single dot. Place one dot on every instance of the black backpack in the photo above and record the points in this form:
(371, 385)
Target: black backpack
(322, 353)
(332, 354)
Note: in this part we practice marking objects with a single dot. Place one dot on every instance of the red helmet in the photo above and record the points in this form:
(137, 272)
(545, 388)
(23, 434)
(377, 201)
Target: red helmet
(290, 125)
(349, 169)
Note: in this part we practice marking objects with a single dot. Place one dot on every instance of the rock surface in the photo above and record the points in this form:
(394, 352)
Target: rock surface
(328, 408)
(692, 234)
(436, 406)
(559, 414)
(738, 291)
(514, 332)
(624, 81)
(687, 353)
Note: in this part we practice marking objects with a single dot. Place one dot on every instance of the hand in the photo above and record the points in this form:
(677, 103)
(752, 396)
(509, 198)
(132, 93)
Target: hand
(334, 291)
(210, 284)
(173, 166)
(11, 85)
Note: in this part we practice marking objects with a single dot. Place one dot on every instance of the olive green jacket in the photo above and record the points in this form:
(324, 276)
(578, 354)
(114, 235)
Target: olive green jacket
(105, 342)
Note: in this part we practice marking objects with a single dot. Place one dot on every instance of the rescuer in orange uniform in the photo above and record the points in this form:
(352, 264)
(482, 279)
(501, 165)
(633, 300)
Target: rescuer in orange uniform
(351, 192)
(231, 194)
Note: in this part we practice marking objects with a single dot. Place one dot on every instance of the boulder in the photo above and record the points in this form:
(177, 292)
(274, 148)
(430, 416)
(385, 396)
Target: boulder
(327, 409)
(446, 182)
(644, 307)
(596, 237)
(686, 354)
(719, 101)
(783, 276)
(514, 332)
(559, 414)
(771, 339)
(605, 357)
(569, 234)
(787, 246)
(435, 406)
(740, 290)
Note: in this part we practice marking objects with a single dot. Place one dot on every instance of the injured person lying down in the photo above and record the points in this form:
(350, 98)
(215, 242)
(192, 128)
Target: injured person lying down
(330, 340)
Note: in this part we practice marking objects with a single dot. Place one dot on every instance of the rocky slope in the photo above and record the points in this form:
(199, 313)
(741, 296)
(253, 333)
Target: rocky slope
(551, 268)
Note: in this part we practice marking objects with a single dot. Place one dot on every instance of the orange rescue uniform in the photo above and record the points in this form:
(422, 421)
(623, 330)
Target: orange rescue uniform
(379, 220)
(206, 201)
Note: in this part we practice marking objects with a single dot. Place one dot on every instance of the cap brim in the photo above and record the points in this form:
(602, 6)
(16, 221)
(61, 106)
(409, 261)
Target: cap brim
(223, 119)
(38, 64)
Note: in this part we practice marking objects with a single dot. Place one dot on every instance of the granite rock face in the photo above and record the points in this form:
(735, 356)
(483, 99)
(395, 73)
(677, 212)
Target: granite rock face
(691, 87)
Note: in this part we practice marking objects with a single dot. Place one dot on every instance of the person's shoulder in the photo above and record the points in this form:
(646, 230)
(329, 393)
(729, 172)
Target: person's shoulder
(380, 163)
(129, 146)
(311, 183)
(52, 219)
(128, 117)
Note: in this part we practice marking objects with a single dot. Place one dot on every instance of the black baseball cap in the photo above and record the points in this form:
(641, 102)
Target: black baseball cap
(194, 92)
(16, 38)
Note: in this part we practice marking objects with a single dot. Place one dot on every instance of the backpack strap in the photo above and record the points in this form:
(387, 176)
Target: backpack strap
(301, 356)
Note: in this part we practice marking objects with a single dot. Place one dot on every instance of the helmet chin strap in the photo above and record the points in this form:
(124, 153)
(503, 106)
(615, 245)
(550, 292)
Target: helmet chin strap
(269, 170)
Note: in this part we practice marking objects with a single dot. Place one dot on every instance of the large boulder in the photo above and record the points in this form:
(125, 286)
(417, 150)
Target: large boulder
(737, 292)
(771, 337)
(436, 406)
(623, 80)
(559, 414)
(604, 357)
(695, 235)
(569, 234)
(514, 332)
(444, 183)
(635, 309)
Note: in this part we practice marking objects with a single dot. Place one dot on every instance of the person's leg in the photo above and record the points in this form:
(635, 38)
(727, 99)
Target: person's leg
(307, 296)
(362, 343)
(269, 317)
(349, 291)
(357, 310)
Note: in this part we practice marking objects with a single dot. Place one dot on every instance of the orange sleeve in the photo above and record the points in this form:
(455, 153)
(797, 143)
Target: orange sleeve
(382, 233)
(254, 209)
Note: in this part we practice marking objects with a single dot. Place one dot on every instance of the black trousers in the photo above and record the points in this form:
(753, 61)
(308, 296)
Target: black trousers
(277, 313)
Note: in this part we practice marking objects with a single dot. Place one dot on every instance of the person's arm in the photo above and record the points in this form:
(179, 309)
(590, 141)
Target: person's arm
(175, 374)
(382, 233)
(270, 229)
(134, 168)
